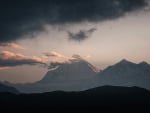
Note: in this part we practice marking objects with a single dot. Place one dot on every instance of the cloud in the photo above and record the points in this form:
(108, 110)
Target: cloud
(11, 45)
(52, 54)
(81, 35)
(87, 56)
(55, 57)
(76, 56)
(20, 18)
(4, 68)
(54, 63)
(10, 59)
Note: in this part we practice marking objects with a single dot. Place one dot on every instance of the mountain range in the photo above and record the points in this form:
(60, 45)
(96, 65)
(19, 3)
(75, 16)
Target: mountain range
(81, 75)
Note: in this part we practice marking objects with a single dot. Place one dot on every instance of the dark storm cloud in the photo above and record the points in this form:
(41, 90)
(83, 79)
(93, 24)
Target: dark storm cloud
(81, 35)
(27, 17)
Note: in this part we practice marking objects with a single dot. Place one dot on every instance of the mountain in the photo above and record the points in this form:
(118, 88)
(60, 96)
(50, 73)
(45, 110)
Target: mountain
(125, 73)
(72, 76)
(80, 75)
(5, 88)
(70, 72)
(101, 97)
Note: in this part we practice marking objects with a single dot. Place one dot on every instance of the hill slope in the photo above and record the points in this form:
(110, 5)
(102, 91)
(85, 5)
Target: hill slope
(102, 97)
(5, 88)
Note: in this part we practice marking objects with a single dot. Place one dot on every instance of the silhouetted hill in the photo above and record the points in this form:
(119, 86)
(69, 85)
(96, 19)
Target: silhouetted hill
(5, 88)
(101, 97)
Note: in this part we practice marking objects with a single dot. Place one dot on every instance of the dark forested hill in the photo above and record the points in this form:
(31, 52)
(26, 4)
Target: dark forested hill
(5, 88)
(100, 97)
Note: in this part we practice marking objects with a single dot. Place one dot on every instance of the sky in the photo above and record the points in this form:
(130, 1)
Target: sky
(36, 33)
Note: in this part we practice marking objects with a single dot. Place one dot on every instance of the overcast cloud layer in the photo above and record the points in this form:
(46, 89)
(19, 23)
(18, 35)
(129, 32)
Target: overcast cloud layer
(19, 18)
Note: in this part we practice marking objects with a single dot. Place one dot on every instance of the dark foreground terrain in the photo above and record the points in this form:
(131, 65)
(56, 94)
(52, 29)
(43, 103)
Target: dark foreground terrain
(100, 98)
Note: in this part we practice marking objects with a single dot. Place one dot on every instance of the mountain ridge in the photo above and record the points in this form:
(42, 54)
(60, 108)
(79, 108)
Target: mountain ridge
(79, 75)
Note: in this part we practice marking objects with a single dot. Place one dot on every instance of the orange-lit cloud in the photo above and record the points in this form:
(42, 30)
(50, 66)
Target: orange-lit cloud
(53, 54)
(87, 56)
(57, 59)
(11, 45)
(10, 59)
(3, 68)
